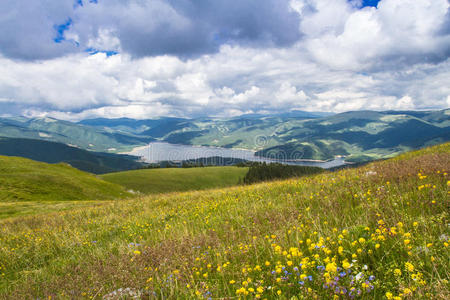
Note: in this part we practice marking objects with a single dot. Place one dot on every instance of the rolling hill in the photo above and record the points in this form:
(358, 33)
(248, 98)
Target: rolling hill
(153, 181)
(375, 232)
(77, 135)
(358, 135)
(27, 180)
(51, 152)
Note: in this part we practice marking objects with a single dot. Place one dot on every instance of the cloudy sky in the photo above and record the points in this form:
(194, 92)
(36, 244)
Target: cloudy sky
(75, 59)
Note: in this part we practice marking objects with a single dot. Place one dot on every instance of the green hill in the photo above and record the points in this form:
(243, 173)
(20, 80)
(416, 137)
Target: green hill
(151, 181)
(358, 135)
(78, 135)
(375, 232)
(51, 152)
(26, 180)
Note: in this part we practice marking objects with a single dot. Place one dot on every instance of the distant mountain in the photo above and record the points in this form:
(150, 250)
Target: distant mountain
(51, 152)
(153, 128)
(358, 135)
(78, 135)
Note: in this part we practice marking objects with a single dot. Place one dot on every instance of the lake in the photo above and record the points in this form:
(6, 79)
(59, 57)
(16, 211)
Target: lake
(159, 151)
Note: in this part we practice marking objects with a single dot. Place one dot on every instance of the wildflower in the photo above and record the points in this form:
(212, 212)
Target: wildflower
(232, 282)
(137, 252)
(331, 267)
(397, 272)
(389, 295)
(346, 265)
(407, 292)
(409, 266)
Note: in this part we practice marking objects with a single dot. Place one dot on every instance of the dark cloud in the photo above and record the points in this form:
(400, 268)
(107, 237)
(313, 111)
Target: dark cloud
(28, 29)
(185, 28)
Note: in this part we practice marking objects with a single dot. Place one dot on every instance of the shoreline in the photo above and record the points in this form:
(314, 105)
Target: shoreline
(315, 161)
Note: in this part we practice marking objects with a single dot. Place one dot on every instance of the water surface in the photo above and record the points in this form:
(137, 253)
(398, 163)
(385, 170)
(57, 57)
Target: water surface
(159, 151)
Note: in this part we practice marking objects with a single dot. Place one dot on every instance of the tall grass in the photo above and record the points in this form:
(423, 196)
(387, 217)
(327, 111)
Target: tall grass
(376, 232)
(165, 180)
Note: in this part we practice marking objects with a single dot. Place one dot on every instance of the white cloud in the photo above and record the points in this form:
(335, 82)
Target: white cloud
(393, 57)
(344, 37)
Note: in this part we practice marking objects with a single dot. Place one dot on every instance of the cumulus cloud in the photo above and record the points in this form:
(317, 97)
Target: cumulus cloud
(187, 58)
(28, 30)
(396, 33)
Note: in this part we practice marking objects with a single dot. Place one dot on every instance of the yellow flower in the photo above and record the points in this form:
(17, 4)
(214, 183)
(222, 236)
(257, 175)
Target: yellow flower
(346, 265)
(406, 242)
(331, 267)
(279, 292)
(407, 291)
(137, 252)
(409, 267)
(389, 295)
(397, 272)
(267, 263)
(232, 282)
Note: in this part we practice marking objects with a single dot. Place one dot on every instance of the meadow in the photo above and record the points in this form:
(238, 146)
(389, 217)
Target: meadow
(375, 232)
(163, 180)
(23, 179)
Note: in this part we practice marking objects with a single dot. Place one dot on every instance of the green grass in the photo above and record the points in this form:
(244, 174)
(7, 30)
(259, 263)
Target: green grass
(385, 224)
(27, 180)
(152, 181)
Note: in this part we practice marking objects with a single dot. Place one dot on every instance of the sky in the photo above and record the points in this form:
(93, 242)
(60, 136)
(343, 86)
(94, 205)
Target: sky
(78, 59)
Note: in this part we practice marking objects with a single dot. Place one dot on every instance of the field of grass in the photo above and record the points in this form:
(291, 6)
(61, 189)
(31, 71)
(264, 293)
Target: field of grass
(376, 232)
(153, 181)
(23, 179)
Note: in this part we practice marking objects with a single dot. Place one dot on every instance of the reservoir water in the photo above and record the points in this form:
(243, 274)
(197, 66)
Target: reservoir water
(159, 151)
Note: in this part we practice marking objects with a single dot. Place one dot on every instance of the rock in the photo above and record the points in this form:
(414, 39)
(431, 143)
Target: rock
(123, 293)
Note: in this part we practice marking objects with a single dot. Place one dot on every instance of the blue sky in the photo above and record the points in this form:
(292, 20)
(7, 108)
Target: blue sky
(373, 3)
(75, 59)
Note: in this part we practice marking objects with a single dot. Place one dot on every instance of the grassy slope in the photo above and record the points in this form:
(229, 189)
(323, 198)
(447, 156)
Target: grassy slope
(384, 220)
(27, 180)
(151, 181)
(51, 152)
